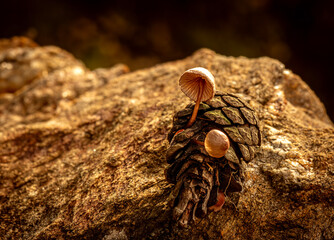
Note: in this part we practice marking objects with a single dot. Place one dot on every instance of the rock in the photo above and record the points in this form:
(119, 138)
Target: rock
(22, 63)
(82, 153)
(16, 42)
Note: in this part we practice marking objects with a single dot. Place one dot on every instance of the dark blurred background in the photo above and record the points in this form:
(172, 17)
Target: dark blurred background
(299, 33)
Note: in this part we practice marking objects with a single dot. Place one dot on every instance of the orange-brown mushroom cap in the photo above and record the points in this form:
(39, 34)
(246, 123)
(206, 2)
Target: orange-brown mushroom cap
(190, 83)
(216, 143)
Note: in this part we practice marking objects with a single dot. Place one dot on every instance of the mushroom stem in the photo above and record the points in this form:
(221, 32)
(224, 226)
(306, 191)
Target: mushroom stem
(198, 142)
(198, 101)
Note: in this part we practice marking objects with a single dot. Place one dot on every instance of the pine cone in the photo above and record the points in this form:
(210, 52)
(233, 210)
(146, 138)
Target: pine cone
(202, 182)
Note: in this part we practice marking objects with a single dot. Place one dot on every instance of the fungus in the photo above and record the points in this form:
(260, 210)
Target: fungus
(216, 143)
(220, 202)
(199, 85)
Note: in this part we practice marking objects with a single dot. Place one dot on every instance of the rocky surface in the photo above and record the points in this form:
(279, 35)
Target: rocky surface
(82, 153)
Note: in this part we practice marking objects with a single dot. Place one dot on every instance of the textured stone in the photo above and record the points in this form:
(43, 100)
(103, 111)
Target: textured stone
(81, 152)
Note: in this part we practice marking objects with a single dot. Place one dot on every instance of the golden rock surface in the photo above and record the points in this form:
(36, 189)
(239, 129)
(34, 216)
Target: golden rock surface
(82, 153)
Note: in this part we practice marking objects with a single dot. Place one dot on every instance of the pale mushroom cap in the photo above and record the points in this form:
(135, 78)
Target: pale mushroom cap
(216, 143)
(189, 83)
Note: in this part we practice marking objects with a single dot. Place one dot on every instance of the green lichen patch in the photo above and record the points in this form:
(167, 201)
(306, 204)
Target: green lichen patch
(218, 117)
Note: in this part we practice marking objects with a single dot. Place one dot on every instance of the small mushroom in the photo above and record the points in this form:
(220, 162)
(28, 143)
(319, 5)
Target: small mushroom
(220, 202)
(216, 143)
(199, 85)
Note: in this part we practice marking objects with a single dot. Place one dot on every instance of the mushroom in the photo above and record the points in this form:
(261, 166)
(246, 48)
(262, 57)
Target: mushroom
(216, 143)
(199, 85)
(220, 202)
